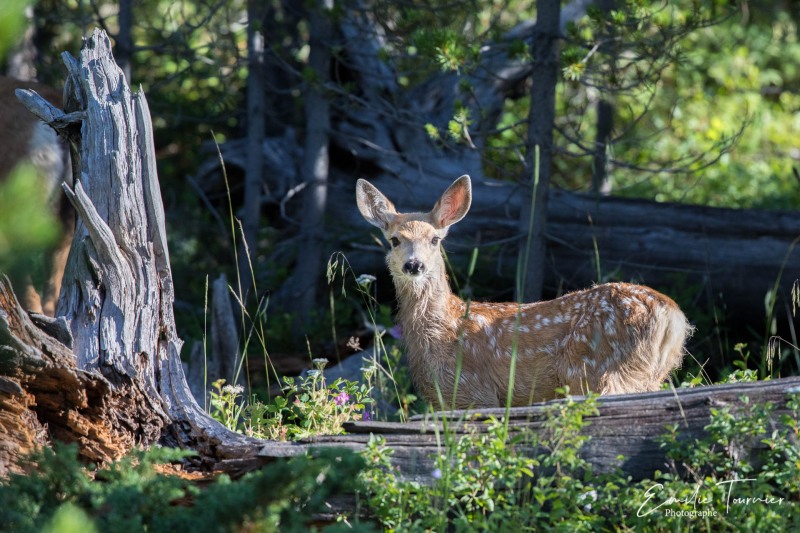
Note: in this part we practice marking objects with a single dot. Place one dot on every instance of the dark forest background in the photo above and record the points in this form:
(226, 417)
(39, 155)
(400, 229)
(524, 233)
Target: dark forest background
(642, 111)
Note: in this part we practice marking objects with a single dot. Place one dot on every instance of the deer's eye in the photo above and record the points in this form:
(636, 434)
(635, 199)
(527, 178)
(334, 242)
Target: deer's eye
(395, 242)
(435, 241)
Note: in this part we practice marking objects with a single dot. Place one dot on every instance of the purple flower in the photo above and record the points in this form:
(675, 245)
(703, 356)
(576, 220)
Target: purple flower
(396, 331)
(436, 474)
(342, 398)
(365, 415)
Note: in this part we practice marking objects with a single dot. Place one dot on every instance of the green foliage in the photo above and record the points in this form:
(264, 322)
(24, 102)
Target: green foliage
(742, 373)
(704, 110)
(226, 404)
(732, 75)
(69, 518)
(12, 23)
(483, 480)
(494, 478)
(130, 495)
(309, 407)
(482, 483)
(27, 225)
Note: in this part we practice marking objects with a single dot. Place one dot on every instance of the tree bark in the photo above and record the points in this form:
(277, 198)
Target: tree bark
(253, 186)
(45, 396)
(115, 334)
(125, 37)
(307, 276)
(601, 181)
(539, 156)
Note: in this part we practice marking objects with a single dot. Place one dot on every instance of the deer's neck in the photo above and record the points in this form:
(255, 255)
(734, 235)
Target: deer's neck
(428, 313)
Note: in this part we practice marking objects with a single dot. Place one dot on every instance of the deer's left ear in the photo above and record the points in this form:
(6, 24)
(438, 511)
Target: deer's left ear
(454, 203)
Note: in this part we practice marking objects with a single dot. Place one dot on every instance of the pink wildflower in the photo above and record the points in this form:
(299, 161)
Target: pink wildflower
(342, 398)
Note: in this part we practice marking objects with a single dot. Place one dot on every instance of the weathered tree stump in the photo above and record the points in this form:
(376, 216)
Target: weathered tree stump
(114, 379)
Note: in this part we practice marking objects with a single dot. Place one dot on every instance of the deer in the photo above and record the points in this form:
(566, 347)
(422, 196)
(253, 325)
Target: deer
(613, 338)
(28, 140)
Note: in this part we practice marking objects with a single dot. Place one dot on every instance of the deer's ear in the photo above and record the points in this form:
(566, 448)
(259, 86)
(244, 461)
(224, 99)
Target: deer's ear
(374, 206)
(454, 203)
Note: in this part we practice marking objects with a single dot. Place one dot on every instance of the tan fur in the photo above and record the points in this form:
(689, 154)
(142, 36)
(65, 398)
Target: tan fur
(612, 338)
(26, 139)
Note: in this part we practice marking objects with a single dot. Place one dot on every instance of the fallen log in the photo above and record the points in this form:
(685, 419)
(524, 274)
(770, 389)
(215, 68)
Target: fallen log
(735, 256)
(623, 436)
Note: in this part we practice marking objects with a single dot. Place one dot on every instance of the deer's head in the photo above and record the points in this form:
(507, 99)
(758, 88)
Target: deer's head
(414, 237)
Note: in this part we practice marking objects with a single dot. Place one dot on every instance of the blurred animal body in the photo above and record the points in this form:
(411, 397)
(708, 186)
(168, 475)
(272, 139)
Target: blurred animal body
(27, 140)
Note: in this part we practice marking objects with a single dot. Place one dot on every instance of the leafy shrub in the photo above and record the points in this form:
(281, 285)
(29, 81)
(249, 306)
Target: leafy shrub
(485, 481)
(308, 407)
(482, 481)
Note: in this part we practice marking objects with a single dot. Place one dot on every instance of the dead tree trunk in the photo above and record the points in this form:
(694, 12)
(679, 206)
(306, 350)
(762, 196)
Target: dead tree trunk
(251, 217)
(107, 373)
(539, 156)
(305, 280)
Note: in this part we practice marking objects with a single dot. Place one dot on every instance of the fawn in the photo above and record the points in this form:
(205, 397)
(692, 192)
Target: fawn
(612, 338)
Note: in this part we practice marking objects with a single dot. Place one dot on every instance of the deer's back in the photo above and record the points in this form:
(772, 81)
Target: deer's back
(612, 338)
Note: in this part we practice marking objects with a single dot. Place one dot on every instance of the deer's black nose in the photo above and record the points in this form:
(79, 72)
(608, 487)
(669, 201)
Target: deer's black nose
(414, 267)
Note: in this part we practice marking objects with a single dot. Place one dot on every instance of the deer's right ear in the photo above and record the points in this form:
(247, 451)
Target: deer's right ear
(374, 206)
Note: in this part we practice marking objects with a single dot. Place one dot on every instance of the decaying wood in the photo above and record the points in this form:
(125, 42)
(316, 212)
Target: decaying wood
(222, 357)
(623, 434)
(120, 381)
(44, 395)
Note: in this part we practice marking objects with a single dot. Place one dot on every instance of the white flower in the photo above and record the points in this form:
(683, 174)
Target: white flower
(591, 496)
(233, 389)
(319, 363)
(365, 280)
(368, 371)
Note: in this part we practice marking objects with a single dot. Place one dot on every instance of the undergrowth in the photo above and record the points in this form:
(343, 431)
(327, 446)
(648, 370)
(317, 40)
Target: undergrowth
(501, 480)
(60, 495)
(741, 474)
(308, 407)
